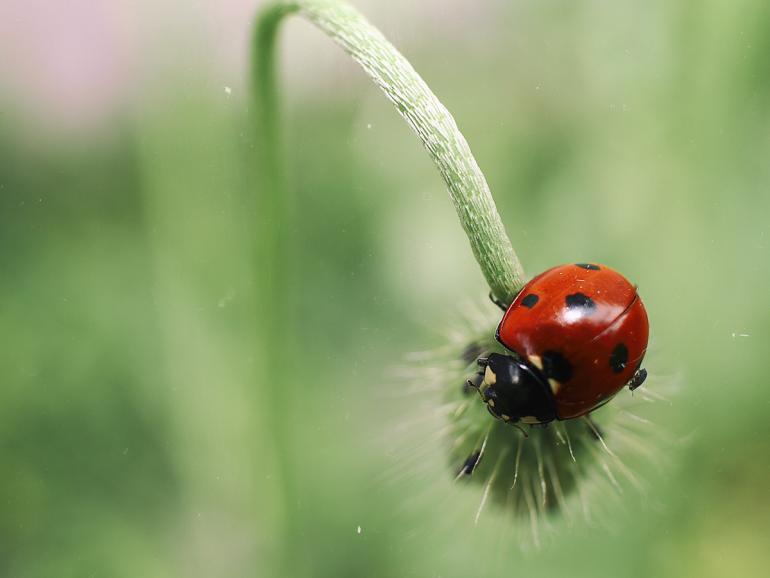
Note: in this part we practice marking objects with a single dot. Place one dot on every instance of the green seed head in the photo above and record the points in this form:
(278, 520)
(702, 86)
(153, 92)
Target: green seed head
(565, 470)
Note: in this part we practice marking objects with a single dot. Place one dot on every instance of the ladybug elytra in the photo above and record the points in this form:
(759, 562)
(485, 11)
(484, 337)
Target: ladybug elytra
(576, 334)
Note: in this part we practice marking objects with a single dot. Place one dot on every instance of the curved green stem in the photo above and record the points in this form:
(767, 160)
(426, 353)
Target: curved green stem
(420, 108)
(445, 144)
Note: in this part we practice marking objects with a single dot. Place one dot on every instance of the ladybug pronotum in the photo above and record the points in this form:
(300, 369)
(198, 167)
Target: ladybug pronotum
(576, 334)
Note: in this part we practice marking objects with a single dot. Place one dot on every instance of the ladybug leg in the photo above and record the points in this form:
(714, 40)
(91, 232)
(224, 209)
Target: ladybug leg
(637, 379)
(469, 387)
(498, 302)
(513, 423)
(472, 461)
(474, 383)
(469, 466)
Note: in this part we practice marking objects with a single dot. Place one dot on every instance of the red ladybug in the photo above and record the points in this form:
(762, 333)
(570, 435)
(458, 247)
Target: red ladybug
(577, 334)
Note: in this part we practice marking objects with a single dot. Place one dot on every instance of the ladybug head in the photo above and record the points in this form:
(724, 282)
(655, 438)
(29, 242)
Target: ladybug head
(514, 390)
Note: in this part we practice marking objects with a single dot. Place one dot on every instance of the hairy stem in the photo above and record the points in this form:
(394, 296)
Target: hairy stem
(420, 108)
(445, 144)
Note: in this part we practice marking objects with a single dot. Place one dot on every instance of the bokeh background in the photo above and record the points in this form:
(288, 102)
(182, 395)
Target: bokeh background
(136, 438)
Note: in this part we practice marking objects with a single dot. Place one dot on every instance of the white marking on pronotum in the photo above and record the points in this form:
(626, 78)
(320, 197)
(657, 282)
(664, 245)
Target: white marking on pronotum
(555, 385)
(537, 361)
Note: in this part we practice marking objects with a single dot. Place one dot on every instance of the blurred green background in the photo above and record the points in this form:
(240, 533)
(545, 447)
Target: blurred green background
(136, 438)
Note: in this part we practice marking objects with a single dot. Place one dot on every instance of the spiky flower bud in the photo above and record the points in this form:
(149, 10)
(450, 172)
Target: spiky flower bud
(533, 474)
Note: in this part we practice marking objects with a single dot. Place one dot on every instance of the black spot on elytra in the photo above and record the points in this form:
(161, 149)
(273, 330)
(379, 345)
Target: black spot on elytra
(619, 358)
(587, 266)
(580, 301)
(530, 300)
(556, 366)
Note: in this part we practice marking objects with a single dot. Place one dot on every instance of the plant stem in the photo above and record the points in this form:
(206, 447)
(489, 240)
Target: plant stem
(420, 108)
(445, 144)
(273, 285)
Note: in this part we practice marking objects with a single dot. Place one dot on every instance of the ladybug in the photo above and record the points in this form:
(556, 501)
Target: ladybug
(576, 334)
